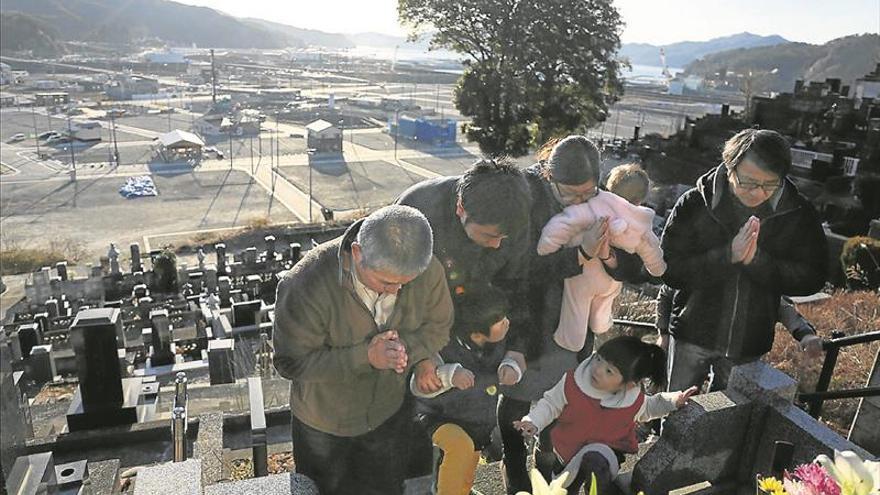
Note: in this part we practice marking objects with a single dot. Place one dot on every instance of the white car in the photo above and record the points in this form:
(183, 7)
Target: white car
(17, 137)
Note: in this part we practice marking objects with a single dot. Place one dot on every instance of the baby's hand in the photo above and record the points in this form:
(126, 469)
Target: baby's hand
(527, 428)
(507, 375)
(683, 396)
(463, 379)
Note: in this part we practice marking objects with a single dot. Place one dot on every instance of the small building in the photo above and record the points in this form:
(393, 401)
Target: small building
(324, 136)
(180, 145)
(133, 87)
(431, 130)
(87, 131)
(51, 99)
(7, 99)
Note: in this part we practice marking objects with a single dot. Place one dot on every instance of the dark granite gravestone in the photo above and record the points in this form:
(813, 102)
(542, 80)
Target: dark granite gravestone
(52, 307)
(221, 366)
(270, 247)
(249, 257)
(61, 269)
(220, 249)
(28, 337)
(101, 399)
(244, 314)
(41, 364)
(294, 251)
(16, 428)
(224, 285)
(160, 338)
(135, 250)
(196, 278)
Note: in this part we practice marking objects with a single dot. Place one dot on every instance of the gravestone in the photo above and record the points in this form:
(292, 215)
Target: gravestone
(52, 307)
(61, 269)
(28, 337)
(245, 314)
(139, 291)
(196, 278)
(224, 286)
(270, 247)
(41, 364)
(221, 365)
(294, 251)
(249, 257)
(210, 278)
(113, 256)
(160, 338)
(220, 250)
(101, 399)
(135, 250)
(252, 283)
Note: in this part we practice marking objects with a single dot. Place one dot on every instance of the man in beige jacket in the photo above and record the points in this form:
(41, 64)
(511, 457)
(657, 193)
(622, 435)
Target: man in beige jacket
(352, 318)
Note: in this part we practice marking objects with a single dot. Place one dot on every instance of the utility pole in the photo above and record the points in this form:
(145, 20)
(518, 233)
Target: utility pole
(113, 137)
(72, 154)
(213, 79)
(36, 137)
(230, 148)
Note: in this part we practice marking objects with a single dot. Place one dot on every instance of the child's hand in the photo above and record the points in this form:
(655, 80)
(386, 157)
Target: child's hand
(527, 428)
(683, 396)
(463, 379)
(507, 375)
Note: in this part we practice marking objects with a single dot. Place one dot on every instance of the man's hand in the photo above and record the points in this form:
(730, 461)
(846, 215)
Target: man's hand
(752, 247)
(519, 357)
(387, 352)
(594, 236)
(463, 379)
(427, 380)
(527, 428)
(812, 346)
(683, 396)
(742, 243)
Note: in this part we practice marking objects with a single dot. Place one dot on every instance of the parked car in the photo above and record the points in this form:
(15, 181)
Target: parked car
(17, 137)
(48, 134)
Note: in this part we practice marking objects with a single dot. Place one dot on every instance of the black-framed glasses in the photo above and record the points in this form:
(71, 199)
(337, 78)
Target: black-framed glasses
(574, 197)
(768, 187)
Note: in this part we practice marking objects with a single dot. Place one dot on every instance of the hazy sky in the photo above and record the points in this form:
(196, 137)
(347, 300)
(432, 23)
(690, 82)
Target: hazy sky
(649, 21)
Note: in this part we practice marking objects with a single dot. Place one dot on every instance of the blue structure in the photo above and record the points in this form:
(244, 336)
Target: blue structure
(424, 129)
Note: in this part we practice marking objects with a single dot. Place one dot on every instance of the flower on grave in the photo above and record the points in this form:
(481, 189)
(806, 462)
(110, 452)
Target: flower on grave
(853, 475)
(816, 477)
(540, 486)
(771, 485)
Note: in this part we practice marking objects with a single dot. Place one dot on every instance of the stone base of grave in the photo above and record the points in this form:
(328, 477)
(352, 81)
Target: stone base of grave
(79, 419)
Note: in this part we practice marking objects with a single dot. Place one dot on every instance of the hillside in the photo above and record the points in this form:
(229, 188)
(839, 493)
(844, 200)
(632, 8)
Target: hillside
(846, 58)
(298, 37)
(129, 20)
(682, 53)
(23, 32)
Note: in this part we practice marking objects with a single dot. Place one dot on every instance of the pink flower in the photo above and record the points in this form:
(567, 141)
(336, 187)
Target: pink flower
(817, 477)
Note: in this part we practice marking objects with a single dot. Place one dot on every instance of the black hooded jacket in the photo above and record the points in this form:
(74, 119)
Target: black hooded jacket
(732, 308)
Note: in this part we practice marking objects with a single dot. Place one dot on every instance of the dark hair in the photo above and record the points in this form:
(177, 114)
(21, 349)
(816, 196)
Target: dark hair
(636, 360)
(768, 149)
(494, 192)
(477, 308)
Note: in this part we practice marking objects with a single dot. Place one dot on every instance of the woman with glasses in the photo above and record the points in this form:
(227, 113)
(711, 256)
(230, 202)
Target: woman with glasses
(736, 243)
(567, 173)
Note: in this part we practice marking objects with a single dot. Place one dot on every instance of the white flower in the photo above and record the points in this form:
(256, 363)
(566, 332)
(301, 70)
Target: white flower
(540, 486)
(855, 476)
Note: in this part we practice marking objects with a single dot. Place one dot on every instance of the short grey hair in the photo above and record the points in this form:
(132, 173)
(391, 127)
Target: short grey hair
(396, 239)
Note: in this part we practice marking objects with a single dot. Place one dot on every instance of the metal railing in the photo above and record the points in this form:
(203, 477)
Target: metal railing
(814, 400)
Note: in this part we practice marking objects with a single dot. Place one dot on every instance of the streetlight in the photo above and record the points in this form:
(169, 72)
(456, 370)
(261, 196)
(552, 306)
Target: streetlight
(396, 131)
(310, 153)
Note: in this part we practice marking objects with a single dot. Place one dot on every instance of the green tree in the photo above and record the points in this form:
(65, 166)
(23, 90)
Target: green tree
(534, 68)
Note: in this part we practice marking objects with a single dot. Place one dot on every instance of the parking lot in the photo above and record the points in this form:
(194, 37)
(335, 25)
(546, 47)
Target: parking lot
(92, 211)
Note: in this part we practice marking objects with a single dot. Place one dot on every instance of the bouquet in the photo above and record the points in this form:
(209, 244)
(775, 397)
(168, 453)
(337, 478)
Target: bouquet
(847, 474)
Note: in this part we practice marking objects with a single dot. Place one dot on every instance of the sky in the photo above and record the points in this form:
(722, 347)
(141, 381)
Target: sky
(647, 21)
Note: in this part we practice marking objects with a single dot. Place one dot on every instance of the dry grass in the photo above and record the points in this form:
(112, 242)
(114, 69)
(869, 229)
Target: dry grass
(15, 258)
(850, 312)
(258, 223)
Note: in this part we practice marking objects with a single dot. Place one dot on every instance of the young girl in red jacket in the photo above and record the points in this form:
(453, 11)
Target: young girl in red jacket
(596, 406)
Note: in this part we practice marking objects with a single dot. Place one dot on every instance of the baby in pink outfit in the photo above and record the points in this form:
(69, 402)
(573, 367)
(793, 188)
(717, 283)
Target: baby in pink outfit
(588, 298)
